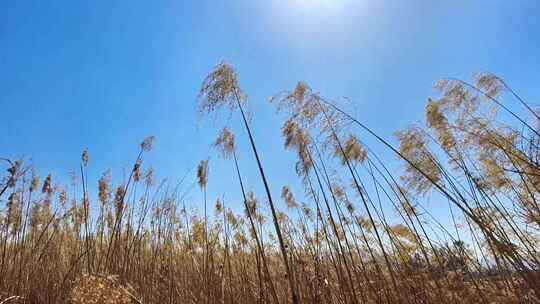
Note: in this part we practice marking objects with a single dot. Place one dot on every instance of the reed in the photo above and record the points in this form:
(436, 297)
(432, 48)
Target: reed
(357, 230)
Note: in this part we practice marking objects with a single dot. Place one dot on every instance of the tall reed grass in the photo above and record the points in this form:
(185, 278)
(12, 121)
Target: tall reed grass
(358, 231)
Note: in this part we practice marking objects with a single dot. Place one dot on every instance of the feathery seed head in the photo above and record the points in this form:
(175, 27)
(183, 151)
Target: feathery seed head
(137, 170)
(149, 177)
(14, 172)
(288, 197)
(47, 187)
(219, 206)
(252, 203)
(202, 173)
(104, 187)
(147, 143)
(413, 146)
(301, 104)
(119, 200)
(437, 121)
(62, 197)
(490, 84)
(220, 89)
(352, 150)
(225, 143)
(85, 157)
(35, 182)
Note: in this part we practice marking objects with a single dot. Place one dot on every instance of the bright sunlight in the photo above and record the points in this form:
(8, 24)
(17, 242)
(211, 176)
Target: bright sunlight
(319, 6)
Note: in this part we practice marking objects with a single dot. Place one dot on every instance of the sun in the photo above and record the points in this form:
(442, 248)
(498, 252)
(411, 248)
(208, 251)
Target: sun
(313, 3)
(319, 5)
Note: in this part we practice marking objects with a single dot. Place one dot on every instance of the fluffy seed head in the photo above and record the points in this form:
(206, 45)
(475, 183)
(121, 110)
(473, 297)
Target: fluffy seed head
(202, 173)
(47, 187)
(352, 150)
(104, 187)
(147, 143)
(288, 197)
(220, 89)
(225, 143)
(85, 157)
(35, 182)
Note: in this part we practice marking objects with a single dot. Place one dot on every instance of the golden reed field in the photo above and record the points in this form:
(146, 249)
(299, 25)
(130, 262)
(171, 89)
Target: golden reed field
(357, 231)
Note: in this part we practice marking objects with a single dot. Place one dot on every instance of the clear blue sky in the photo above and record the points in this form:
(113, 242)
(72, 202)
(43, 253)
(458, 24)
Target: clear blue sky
(105, 74)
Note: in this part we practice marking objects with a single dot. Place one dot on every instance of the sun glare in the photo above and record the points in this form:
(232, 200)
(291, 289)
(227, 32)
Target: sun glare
(319, 5)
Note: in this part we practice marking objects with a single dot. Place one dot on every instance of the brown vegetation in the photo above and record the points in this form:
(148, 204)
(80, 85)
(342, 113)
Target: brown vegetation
(359, 232)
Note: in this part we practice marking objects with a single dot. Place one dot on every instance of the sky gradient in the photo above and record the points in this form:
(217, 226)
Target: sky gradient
(106, 74)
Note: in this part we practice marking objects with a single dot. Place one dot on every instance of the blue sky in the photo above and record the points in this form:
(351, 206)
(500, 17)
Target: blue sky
(105, 74)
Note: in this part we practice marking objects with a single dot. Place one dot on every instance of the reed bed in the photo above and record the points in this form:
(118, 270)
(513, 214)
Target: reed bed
(356, 231)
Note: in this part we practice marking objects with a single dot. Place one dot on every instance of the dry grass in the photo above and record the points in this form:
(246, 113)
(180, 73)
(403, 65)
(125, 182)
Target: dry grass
(356, 232)
(89, 289)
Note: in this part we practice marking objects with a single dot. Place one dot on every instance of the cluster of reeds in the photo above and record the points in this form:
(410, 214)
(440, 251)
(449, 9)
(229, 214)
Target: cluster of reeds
(356, 231)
